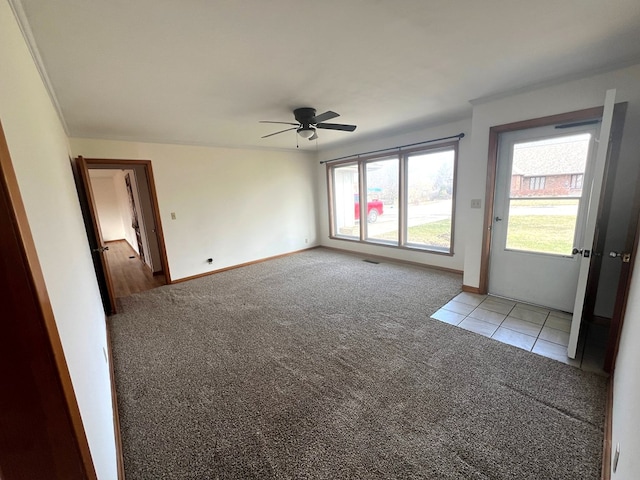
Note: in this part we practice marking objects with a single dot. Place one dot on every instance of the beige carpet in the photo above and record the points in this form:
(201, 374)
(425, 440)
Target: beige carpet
(321, 366)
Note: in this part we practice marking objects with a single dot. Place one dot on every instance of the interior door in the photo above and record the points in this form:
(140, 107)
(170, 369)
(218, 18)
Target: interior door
(543, 182)
(98, 248)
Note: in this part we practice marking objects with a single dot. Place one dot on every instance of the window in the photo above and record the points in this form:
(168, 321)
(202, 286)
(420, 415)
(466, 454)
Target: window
(576, 181)
(536, 183)
(381, 178)
(346, 205)
(407, 199)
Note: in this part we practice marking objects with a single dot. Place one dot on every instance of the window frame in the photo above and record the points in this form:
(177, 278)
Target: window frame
(402, 156)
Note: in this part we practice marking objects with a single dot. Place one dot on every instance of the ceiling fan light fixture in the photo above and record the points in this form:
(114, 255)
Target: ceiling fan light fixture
(306, 132)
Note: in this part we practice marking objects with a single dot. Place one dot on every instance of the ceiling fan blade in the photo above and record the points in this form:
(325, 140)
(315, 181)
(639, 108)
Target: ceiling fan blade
(314, 136)
(324, 116)
(283, 123)
(281, 131)
(336, 126)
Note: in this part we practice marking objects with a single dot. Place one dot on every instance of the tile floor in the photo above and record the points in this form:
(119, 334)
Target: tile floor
(536, 329)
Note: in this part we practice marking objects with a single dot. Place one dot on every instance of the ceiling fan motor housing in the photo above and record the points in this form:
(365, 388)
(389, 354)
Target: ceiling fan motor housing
(304, 115)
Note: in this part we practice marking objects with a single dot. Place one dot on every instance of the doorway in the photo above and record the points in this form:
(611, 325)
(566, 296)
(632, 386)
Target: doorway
(540, 210)
(597, 284)
(123, 223)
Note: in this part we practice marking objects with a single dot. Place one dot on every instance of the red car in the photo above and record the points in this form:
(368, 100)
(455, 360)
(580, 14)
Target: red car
(374, 209)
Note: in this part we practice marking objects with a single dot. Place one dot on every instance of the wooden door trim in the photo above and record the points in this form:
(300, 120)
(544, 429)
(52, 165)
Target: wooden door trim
(54, 387)
(492, 164)
(123, 163)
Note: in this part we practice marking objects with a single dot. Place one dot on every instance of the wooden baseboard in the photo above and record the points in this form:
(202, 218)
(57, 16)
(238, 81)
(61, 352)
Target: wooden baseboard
(233, 267)
(467, 288)
(608, 432)
(114, 403)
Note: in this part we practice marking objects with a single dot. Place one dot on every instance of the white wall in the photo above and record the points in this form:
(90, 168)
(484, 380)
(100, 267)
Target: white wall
(40, 155)
(626, 382)
(108, 210)
(463, 197)
(232, 205)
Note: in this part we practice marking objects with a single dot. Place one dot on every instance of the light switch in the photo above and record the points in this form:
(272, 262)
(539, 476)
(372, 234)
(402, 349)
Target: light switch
(173, 215)
(476, 203)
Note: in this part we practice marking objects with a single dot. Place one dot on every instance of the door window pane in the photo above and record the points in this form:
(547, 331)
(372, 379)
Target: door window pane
(546, 188)
(345, 201)
(382, 200)
(430, 179)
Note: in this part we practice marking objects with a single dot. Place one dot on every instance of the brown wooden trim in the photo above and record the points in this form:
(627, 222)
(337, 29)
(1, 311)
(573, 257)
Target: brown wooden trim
(608, 432)
(240, 265)
(39, 395)
(492, 163)
(394, 260)
(467, 288)
(114, 405)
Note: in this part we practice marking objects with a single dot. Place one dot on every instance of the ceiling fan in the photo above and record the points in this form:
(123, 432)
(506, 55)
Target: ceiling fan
(308, 122)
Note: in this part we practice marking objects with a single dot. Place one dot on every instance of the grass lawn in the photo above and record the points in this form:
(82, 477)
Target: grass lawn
(541, 233)
(434, 234)
(532, 233)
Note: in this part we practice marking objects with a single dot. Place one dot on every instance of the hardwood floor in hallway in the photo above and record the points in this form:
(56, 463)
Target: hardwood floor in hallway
(129, 274)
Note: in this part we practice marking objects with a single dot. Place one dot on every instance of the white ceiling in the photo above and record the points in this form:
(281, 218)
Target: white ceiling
(205, 72)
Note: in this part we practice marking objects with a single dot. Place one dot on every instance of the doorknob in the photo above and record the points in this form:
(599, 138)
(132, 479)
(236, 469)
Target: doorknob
(577, 251)
(100, 249)
(625, 257)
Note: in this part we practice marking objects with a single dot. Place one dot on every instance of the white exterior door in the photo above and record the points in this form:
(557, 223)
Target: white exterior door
(543, 186)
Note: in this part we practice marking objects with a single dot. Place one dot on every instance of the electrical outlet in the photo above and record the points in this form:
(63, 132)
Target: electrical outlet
(173, 215)
(476, 203)
(209, 261)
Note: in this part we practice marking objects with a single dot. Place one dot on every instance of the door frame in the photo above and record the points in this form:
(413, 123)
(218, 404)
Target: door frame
(39, 409)
(106, 163)
(563, 267)
(492, 164)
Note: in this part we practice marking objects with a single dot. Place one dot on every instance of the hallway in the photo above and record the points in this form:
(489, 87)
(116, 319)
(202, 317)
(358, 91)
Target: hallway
(128, 273)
